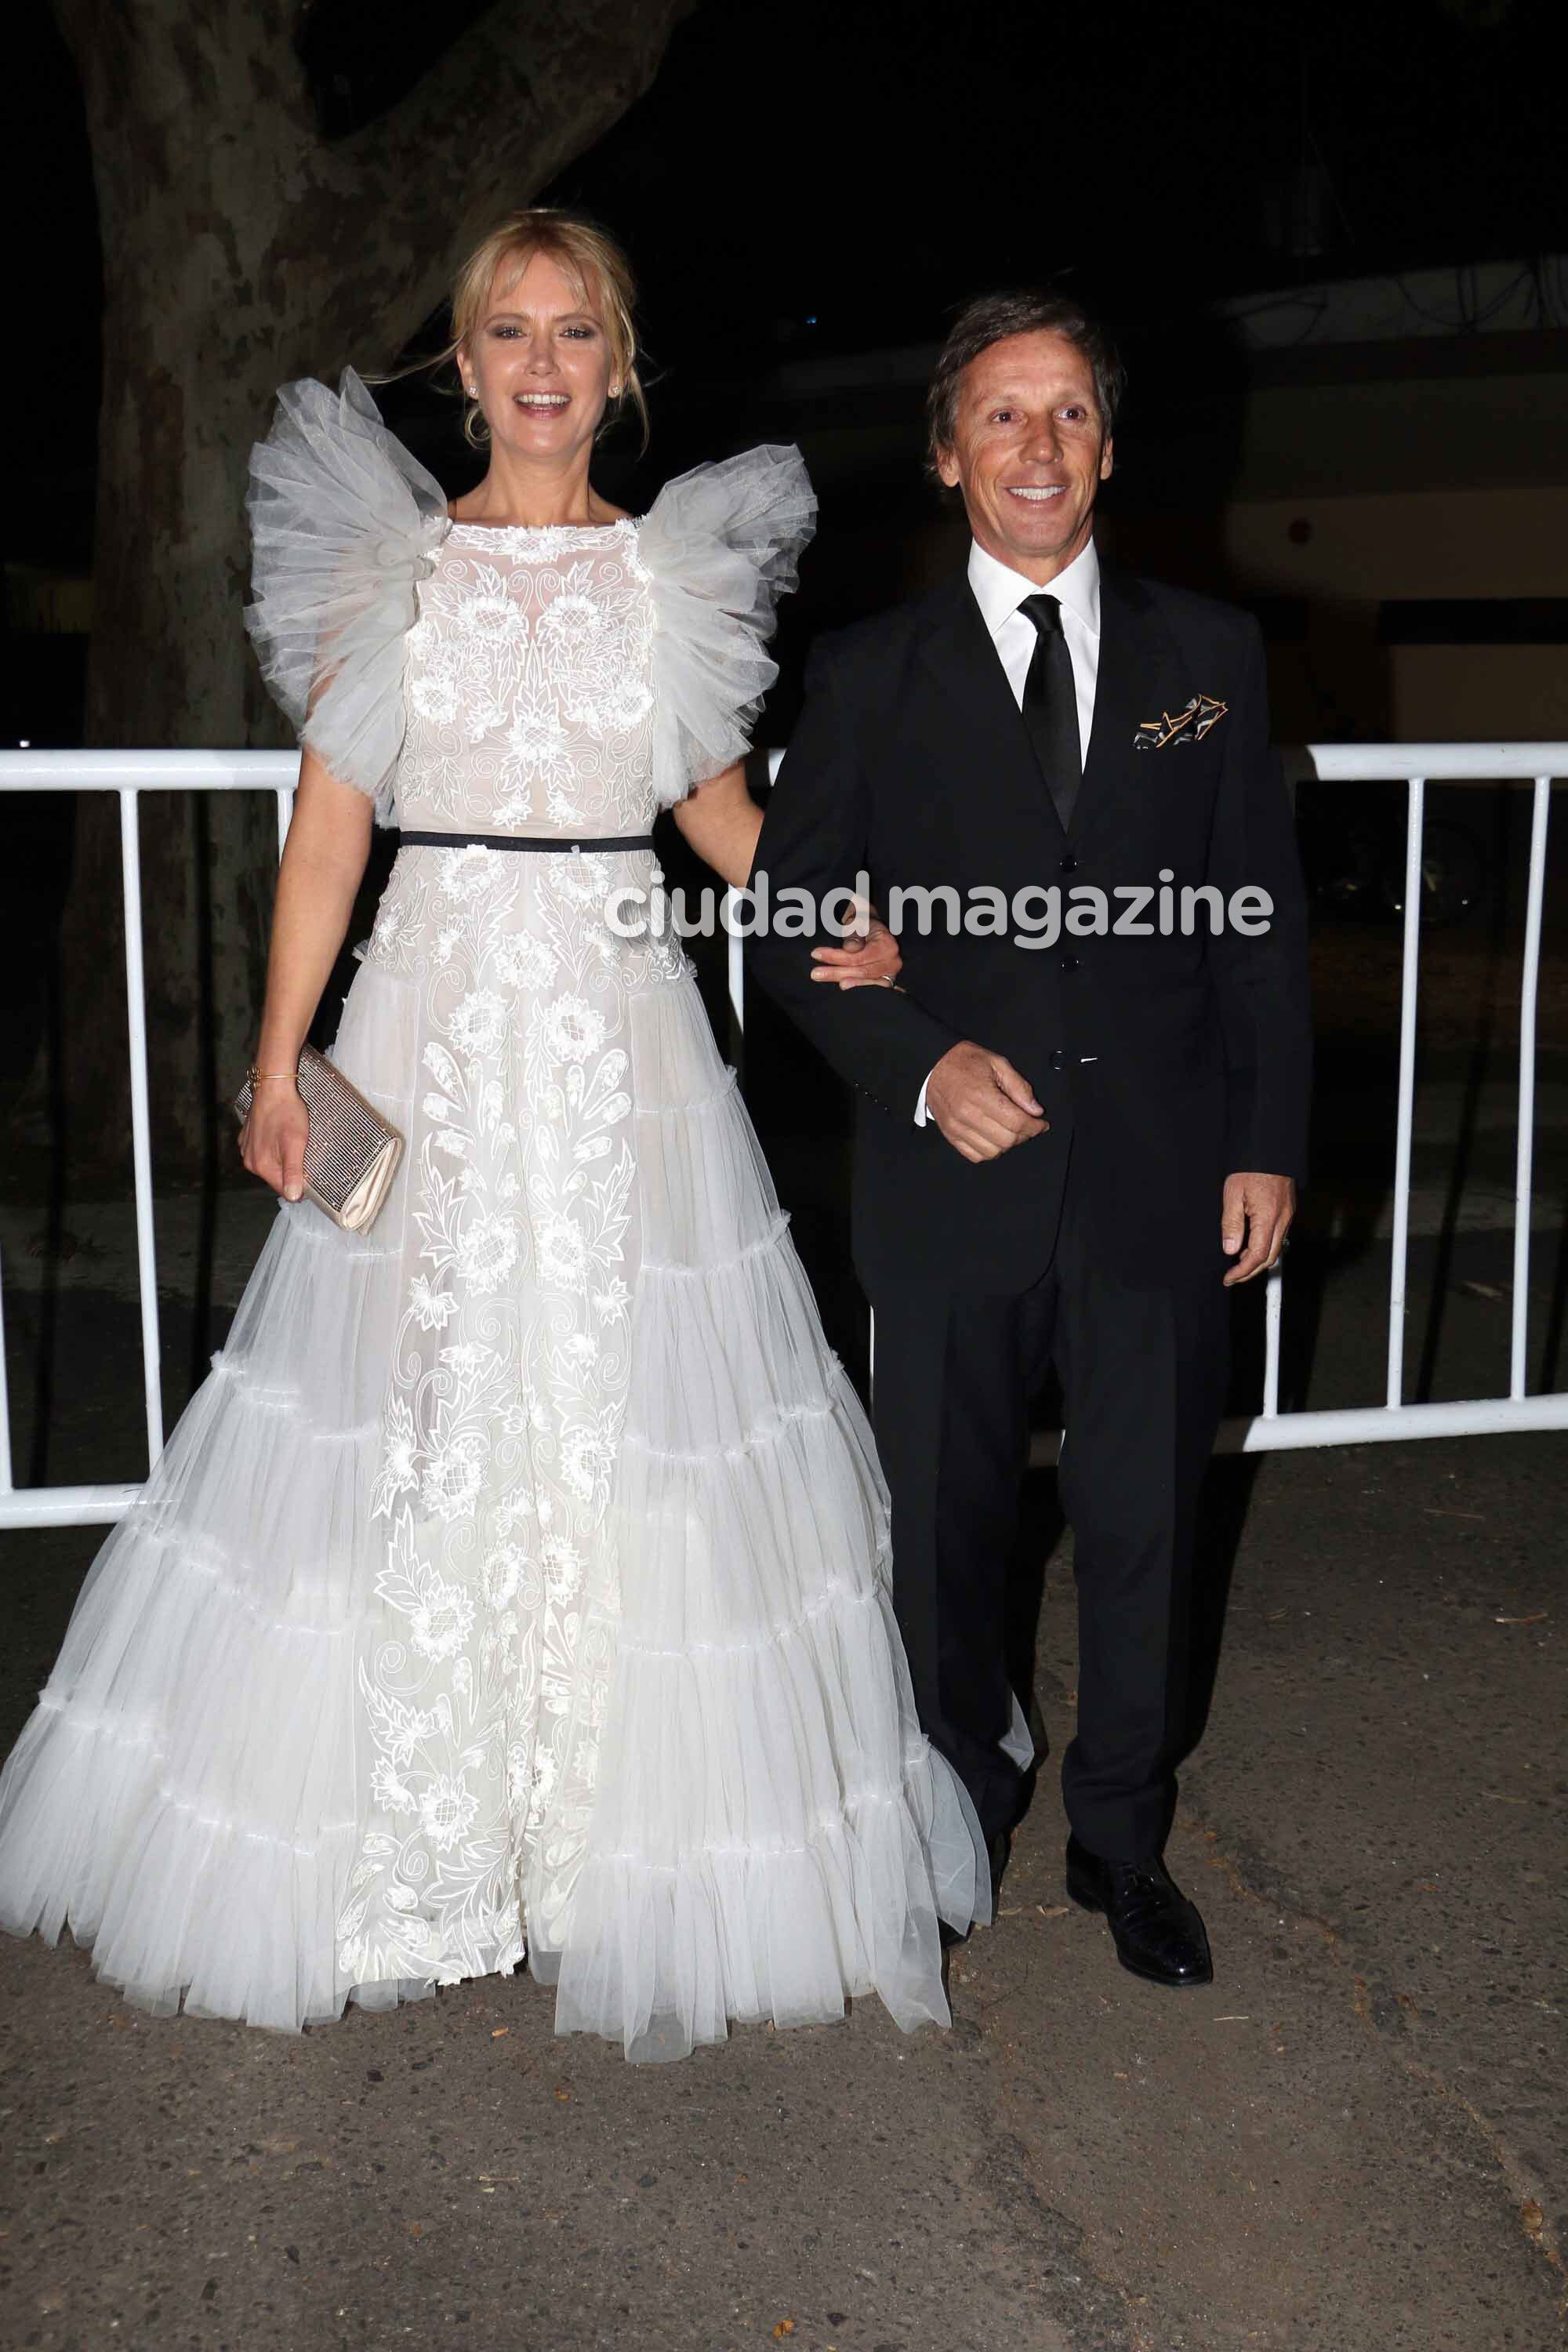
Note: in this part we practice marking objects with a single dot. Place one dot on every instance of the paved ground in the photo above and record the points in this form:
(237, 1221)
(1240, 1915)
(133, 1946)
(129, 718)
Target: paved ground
(1354, 2139)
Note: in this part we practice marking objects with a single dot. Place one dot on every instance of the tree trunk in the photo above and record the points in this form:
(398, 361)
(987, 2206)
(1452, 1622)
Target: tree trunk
(241, 251)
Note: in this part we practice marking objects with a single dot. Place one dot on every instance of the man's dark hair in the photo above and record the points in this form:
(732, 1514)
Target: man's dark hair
(990, 319)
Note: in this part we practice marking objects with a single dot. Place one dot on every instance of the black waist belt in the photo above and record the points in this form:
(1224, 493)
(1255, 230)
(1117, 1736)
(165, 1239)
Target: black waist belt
(525, 841)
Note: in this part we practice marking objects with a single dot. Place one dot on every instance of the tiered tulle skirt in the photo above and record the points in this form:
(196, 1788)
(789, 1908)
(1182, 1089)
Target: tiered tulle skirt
(221, 1774)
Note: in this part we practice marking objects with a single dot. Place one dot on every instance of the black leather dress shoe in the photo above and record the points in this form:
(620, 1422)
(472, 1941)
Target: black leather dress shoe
(1157, 1932)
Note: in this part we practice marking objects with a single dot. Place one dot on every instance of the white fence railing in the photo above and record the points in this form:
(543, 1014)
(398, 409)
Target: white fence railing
(130, 774)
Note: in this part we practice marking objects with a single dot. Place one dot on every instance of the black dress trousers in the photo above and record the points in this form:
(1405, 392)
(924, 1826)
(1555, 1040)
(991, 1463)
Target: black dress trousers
(1142, 1367)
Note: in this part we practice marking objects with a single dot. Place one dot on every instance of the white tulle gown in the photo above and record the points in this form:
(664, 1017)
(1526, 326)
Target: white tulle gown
(518, 1584)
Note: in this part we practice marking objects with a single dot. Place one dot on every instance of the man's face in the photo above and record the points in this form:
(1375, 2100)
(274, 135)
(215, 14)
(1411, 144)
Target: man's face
(1029, 452)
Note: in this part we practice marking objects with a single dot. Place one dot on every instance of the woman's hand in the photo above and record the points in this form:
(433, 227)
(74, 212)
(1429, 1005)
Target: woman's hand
(870, 962)
(324, 860)
(722, 822)
(272, 1141)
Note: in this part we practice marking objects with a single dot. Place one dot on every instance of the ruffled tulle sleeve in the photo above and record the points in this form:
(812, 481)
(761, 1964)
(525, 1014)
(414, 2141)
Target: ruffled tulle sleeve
(345, 524)
(722, 544)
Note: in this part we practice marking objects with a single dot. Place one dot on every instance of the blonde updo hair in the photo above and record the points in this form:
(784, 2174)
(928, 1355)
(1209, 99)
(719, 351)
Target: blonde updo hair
(588, 254)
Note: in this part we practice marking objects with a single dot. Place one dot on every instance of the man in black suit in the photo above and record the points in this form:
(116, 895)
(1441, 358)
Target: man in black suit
(1080, 1116)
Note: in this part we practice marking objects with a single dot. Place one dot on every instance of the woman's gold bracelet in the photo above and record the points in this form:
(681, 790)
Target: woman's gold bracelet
(260, 1078)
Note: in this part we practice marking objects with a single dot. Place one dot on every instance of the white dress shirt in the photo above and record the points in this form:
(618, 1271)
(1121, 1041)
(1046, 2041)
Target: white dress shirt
(999, 591)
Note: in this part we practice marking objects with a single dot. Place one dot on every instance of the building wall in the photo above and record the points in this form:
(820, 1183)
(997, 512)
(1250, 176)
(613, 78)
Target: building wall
(1405, 544)
(1323, 569)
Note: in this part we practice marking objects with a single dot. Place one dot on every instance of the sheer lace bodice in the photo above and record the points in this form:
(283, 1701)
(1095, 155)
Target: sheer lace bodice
(530, 684)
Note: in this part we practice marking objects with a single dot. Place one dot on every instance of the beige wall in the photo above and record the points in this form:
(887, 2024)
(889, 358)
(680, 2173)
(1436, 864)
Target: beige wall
(1469, 693)
(1362, 551)
(1407, 544)
(1363, 548)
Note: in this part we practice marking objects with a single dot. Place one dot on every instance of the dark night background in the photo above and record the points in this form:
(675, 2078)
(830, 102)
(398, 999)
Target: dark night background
(829, 178)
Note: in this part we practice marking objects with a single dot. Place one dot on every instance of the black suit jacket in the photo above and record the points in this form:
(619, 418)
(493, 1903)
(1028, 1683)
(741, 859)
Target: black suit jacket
(1164, 1062)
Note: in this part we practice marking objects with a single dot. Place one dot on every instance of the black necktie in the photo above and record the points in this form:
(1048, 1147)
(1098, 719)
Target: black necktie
(1050, 705)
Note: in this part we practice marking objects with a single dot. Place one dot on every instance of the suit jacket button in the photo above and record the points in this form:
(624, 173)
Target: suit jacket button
(1057, 1058)
(1069, 963)
(1068, 865)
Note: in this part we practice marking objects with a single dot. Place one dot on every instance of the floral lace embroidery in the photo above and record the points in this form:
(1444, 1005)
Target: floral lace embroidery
(530, 693)
(504, 1413)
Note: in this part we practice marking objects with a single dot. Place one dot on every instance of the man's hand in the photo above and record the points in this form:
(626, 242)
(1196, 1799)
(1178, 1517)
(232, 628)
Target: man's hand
(980, 1104)
(1259, 1209)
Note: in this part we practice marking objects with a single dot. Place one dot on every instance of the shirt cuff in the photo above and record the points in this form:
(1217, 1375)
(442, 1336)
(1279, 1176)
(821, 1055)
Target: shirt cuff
(920, 1112)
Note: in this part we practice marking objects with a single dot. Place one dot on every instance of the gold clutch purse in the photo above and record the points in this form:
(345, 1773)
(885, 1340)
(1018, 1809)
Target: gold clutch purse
(352, 1152)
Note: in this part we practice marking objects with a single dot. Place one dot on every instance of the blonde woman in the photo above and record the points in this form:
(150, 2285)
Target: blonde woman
(517, 1584)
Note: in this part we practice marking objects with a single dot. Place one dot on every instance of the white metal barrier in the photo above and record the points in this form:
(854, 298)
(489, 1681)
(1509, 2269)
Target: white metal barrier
(130, 773)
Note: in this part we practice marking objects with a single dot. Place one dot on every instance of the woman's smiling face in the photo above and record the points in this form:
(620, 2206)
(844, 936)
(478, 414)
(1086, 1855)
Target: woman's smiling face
(539, 361)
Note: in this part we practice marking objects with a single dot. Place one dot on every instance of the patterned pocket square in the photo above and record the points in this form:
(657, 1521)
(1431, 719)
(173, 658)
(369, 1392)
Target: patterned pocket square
(1189, 725)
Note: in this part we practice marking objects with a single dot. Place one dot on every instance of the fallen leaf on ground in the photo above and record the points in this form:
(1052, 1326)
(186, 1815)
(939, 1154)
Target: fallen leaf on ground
(1531, 2214)
(500, 2032)
(563, 2092)
(1536, 1617)
(785, 2327)
(1053, 1911)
